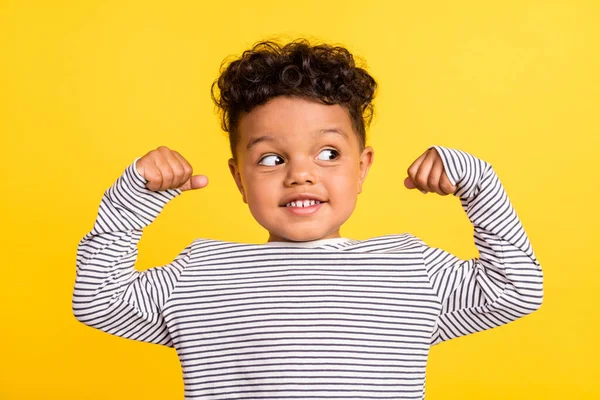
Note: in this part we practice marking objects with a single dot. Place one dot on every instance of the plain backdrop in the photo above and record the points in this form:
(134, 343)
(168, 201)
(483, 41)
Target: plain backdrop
(88, 86)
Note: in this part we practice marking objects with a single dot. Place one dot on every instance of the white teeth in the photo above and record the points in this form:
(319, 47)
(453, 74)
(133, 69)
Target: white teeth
(302, 203)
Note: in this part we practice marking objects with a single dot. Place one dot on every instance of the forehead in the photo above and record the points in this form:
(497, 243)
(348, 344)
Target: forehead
(287, 117)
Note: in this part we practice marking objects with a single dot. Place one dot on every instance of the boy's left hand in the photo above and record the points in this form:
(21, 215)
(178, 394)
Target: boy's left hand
(427, 174)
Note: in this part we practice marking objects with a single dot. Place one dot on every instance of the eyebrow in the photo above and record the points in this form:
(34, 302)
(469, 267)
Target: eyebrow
(256, 140)
(334, 130)
(268, 138)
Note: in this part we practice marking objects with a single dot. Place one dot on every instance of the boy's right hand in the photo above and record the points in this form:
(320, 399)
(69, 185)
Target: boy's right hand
(164, 169)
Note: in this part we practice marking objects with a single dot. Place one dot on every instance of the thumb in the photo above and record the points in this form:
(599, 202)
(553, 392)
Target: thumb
(195, 182)
(411, 185)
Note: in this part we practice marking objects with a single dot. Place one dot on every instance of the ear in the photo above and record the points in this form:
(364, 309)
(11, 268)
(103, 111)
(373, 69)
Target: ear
(366, 160)
(237, 178)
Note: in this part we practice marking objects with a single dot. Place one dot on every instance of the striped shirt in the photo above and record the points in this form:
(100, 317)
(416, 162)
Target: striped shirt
(330, 319)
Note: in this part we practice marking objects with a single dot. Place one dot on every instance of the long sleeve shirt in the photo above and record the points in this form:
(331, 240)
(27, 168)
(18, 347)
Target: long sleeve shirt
(340, 319)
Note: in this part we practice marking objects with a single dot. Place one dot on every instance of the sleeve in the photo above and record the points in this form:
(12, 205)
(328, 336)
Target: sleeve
(505, 282)
(109, 293)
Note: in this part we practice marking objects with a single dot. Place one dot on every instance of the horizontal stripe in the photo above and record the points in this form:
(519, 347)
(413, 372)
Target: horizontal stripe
(346, 320)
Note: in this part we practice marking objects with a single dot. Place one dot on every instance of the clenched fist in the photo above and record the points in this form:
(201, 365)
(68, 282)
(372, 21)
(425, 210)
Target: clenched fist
(164, 169)
(427, 174)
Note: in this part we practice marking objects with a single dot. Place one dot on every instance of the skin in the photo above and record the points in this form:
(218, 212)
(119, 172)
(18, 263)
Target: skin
(285, 150)
(290, 147)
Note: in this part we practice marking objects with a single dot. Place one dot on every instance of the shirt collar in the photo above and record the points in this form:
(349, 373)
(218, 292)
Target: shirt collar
(310, 243)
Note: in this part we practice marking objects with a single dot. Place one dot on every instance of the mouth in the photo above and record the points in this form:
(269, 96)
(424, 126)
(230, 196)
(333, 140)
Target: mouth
(301, 200)
(303, 208)
(302, 203)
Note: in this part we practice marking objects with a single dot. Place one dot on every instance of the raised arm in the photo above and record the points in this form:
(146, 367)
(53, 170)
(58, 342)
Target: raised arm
(109, 293)
(505, 282)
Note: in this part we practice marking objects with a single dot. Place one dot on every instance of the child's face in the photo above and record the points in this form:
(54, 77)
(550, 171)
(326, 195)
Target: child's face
(288, 151)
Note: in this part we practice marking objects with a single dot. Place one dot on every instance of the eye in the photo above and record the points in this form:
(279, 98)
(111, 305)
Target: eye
(271, 160)
(328, 154)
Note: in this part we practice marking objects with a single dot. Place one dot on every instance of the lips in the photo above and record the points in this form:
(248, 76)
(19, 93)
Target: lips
(301, 200)
(302, 203)
(299, 209)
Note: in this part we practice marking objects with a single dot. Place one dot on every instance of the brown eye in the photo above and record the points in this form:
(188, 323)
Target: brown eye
(328, 154)
(271, 160)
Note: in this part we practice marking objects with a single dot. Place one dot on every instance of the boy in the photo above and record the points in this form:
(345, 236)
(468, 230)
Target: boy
(309, 314)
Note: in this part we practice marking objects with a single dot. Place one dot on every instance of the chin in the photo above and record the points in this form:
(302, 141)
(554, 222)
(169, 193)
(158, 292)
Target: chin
(304, 238)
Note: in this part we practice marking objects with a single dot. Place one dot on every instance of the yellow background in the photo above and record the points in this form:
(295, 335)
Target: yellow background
(87, 86)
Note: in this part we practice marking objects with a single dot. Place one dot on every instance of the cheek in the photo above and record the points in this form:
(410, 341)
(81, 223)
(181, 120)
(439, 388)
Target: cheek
(260, 192)
(347, 182)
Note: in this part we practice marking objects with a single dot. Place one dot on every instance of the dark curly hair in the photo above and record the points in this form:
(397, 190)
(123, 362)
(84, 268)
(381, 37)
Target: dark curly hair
(315, 72)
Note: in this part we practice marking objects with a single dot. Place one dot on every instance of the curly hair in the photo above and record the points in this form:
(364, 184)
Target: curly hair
(315, 72)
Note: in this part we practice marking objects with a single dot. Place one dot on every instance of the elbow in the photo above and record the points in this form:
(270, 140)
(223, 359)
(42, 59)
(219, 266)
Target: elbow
(87, 314)
(531, 291)
(78, 316)
(85, 308)
(524, 304)
(78, 309)
(532, 298)
(537, 302)
(524, 298)
(540, 298)
(539, 289)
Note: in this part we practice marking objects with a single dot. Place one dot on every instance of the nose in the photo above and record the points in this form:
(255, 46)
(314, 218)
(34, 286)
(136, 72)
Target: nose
(300, 172)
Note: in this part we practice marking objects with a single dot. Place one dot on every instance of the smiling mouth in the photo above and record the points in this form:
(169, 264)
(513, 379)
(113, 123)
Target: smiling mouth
(303, 203)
